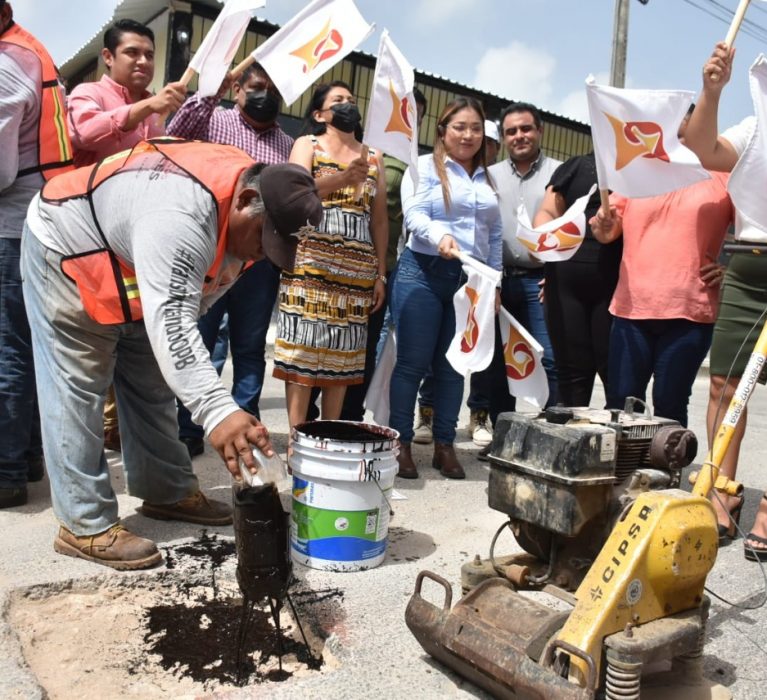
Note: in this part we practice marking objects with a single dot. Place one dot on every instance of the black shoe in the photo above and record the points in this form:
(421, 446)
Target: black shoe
(10, 498)
(36, 469)
(313, 412)
(195, 445)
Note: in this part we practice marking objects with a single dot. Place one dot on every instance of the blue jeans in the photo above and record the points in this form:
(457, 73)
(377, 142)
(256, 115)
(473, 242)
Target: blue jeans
(422, 307)
(221, 348)
(20, 442)
(670, 350)
(489, 388)
(249, 304)
(76, 359)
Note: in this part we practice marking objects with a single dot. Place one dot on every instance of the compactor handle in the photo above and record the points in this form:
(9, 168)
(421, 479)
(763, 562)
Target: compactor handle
(446, 605)
(547, 659)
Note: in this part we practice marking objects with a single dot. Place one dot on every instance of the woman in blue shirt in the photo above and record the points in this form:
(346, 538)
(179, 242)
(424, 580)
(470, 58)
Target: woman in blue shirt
(455, 208)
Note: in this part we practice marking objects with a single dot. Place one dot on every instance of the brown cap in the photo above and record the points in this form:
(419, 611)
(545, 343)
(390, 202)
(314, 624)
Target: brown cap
(291, 201)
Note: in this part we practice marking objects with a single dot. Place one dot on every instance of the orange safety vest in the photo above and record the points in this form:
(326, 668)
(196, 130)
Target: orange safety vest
(107, 284)
(54, 148)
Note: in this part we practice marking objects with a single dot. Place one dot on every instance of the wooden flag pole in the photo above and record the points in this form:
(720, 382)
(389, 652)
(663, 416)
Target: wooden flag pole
(737, 20)
(604, 195)
(242, 66)
(359, 189)
(236, 72)
(187, 76)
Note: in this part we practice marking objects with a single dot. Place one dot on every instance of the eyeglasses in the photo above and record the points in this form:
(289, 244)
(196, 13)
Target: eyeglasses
(461, 128)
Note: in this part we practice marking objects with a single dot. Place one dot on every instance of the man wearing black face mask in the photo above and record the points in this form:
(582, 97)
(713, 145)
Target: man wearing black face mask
(252, 127)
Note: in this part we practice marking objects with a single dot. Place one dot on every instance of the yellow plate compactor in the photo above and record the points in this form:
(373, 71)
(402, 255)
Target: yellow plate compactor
(593, 499)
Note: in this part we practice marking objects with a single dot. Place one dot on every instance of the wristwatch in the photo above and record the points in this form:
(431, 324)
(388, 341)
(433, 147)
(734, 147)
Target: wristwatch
(382, 278)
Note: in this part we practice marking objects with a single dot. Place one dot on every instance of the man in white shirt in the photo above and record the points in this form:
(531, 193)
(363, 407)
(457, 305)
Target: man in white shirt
(519, 179)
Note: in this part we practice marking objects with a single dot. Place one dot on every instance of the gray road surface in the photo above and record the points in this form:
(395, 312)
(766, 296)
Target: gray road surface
(439, 526)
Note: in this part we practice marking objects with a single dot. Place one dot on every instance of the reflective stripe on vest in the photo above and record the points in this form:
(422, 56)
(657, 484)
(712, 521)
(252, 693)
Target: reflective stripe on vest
(107, 284)
(54, 149)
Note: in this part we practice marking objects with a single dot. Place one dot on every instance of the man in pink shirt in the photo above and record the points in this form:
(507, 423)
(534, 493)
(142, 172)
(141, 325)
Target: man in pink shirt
(117, 112)
(114, 114)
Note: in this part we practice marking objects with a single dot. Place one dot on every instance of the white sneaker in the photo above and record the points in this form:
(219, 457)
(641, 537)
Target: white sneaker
(479, 427)
(422, 434)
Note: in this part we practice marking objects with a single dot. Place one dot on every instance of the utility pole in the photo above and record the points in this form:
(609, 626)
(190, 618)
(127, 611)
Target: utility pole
(620, 44)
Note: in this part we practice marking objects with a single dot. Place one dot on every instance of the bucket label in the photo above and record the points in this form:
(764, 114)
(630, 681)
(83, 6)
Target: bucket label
(317, 523)
(335, 534)
(299, 487)
(339, 549)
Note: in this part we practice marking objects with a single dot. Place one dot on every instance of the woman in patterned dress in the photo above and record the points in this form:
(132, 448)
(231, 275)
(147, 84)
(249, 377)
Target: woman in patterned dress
(339, 276)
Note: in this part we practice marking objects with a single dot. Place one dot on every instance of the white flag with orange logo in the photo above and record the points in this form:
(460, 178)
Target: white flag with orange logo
(474, 343)
(214, 57)
(391, 122)
(310, 44)
(523, 357)
(637, 149)
(748, 181)
(558, 239)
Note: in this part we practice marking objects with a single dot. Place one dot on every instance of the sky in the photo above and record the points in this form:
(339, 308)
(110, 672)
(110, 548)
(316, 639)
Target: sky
(538, 51)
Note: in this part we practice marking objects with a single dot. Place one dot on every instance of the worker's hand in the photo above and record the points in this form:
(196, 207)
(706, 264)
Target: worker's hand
(541, 290)
(233, 438)
(357, 171)
(712, 274)
(718, 68)
(447, 247)
(169, 99)
(379, 295)
(497, 301)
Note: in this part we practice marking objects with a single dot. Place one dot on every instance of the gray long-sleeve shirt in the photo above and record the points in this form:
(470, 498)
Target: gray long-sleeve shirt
(514, 189)
(164, 225)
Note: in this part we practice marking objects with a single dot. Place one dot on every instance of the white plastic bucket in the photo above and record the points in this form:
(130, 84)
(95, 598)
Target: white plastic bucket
(343, 475)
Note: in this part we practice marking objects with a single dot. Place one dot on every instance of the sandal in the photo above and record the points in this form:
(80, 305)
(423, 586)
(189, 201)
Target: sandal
(728, 532)
(755, 553)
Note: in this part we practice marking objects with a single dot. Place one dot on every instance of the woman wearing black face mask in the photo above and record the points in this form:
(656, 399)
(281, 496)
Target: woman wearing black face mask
(339, 276)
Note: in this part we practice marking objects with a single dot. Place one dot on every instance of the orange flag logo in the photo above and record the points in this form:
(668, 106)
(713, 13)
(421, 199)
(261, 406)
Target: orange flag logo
(636, 140)
(401, 118)
(518, 356)
(325, 44)
(471, 332)
(564, 238)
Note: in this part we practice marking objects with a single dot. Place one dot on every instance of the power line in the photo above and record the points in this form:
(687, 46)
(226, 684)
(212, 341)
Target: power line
(755, 31)
(746, 20)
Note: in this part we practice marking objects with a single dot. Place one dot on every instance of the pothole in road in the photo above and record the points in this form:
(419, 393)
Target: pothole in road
(168, 633)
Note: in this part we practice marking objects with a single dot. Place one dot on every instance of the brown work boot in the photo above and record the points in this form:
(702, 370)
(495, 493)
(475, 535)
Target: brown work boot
(446, 461)
(196, 508)
(116, 547)
(407, 468)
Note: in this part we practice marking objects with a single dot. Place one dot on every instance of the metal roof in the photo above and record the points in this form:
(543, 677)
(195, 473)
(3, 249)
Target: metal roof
(143, 11)
(146, 10)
